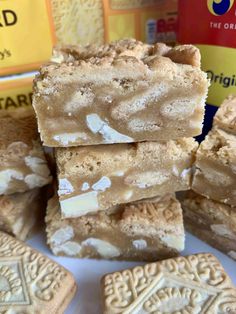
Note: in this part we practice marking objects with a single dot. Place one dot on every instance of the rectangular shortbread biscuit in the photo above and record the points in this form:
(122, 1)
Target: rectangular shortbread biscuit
(95, 178)
(122, 92)
(211, 221)
(20, 213)
(31, 282)
(146, 230)
(192, 284)
(225, 117)
(215, 175)
(22, 162)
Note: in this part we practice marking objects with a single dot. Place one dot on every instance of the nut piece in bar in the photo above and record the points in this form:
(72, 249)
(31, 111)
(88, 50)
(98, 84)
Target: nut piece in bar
(146, 230)
(211, 221)
(31, 282)
(95, 178)
(122, 92)
(20, 213)
(225, 117)
(192, 284)
(22, 162)
(215, 175)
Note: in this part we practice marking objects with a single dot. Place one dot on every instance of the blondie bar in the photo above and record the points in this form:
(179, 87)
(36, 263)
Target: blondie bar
(215, 175)
(22, 162)
(146, 230)
(95, 178)
(225, 117)
(193, 284)
(31, 282)
(122, 92)
(20, 213)
(211, 221)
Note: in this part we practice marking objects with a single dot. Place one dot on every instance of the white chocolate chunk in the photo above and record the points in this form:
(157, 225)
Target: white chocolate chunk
(67, 138)
(102, 184)
(147, 179)
(104, 248)
(80, 205)
(37, 165)
(6, 177)
(175, 171)
(118, 173)
(65, 187)
(34, 180)
(128, 195)
(186, 173)
(232, 254)
(140, 244)
(224, 231)
(97, 125)
(173, 240)
(70, 248)
(62, 235)
(18, 225)
(85, 186)
(178, 109)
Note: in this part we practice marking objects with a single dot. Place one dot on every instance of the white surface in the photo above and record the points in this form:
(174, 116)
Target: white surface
(89, 272)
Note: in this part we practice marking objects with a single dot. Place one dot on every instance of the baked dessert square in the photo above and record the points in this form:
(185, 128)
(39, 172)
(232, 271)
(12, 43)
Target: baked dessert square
(192, 284)
(21, 213)
(22, 162)
(30, 281)
(211, 221)
(122, 92)
(215, 175)
(225, 117)
(146, 230)
(95, 178)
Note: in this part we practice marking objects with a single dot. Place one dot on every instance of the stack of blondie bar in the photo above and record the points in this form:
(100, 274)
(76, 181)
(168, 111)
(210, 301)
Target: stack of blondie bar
(210, 211)
(121, 119)
(23, 173)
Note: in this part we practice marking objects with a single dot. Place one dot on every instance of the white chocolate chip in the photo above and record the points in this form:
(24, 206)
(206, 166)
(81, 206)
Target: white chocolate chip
(140, 244)
(232, 254)
(224, 231)
(97, 125)
(80, 205)
(178, 109)
(70, 248)
(175, 171)
(34, 180)
(104, 248)
(37, 165)
(186, 173)
(65, 187)
(174, 241)
(102, 184)
(147, 179)
(62, 235)
(119, 173)
(67, 138)
(85, 186)
(128, 194)
(6, 177)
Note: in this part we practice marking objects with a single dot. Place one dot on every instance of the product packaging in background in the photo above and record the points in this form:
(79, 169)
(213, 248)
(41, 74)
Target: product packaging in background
(16, 94)
(211, 26)
(93, 21)
(29, 29)
(26, 35)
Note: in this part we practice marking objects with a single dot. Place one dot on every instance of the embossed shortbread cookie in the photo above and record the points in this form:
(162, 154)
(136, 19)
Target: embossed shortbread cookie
(215, 175)
(147, 230)
(211, 221)
(20, 213)
(22, 162)
(30, 282)
(225, 117)
(194, 284)
(95, 178)
(121, 92)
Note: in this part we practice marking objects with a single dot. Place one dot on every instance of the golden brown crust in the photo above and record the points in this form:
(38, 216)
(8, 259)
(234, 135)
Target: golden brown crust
(225, 117)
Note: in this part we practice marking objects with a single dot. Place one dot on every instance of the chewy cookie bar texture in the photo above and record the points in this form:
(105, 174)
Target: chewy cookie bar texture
(215, 175)
(22, 162)
(95, 178)
(20, 213)
(122, 92)
(191, 284)
(31, 282)
(211, 221)
(225, 117)
(146, 230)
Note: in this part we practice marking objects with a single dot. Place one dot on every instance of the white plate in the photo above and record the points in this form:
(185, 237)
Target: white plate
(89, 272)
